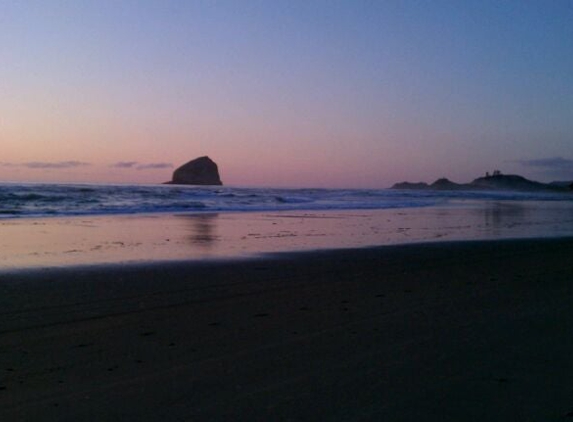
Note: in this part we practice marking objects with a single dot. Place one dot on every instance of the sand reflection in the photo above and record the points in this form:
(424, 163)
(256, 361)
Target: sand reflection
(202, 229)
(500, 215)
(121, 239)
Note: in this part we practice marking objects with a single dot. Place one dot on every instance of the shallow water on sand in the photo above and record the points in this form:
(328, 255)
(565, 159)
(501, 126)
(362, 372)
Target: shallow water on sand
(47, 242)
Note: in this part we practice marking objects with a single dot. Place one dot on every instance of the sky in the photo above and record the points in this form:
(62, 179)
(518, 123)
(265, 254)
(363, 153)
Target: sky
(286, 93)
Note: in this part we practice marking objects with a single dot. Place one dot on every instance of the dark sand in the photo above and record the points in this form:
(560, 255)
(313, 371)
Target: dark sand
(478, 331)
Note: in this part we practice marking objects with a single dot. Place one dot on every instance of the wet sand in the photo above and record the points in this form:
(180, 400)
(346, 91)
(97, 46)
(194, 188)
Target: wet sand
(469, 331)
(66, 241)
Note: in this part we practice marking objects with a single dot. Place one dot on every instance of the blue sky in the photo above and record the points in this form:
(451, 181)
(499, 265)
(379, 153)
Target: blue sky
(287, 93)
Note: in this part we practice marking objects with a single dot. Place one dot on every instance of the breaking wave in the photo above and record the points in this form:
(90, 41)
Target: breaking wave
(41, 200)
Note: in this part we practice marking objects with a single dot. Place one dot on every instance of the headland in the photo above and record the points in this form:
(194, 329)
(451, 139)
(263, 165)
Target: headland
(495, 181)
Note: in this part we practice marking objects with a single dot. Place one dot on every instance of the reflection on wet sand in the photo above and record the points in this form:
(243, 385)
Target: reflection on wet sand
(203, 229)
(120, 239)
(499, 215)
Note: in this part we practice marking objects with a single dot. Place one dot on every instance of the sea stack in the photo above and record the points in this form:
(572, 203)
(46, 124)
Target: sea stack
(200, 171)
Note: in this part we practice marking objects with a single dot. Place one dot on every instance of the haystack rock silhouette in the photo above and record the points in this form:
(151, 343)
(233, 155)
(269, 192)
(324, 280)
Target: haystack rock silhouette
(200, 171)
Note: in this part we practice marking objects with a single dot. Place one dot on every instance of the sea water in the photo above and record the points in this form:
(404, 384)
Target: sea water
(18, 200)
(45, 225)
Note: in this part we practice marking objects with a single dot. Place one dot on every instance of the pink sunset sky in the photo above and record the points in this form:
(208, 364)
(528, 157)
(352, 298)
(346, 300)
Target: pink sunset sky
(285, 93)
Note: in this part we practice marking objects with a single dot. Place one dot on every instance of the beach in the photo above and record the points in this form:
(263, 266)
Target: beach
(286, 211)
(63, 241)
(444, 331)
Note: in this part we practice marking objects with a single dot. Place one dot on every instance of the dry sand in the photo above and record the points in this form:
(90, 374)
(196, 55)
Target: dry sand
(476, 331)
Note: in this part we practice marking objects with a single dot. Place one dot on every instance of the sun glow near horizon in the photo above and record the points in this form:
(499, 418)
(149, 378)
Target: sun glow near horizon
(320, 94)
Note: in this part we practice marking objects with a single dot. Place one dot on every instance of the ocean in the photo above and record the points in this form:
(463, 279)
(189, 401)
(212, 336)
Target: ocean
(33, 200)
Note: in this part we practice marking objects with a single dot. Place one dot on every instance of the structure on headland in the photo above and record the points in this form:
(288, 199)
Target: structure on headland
(200, 171)
(495, 173)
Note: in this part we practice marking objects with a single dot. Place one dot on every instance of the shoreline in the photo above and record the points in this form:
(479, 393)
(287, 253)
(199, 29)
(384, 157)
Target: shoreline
(438, 331)
(115, 268)
(86, 240)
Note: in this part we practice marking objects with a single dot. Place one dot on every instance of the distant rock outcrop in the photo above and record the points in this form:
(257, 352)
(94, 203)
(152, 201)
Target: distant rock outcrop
(410, 185)
(445, 184)
(497, 181)
(510, 182)
(564, 184)
(200, 171)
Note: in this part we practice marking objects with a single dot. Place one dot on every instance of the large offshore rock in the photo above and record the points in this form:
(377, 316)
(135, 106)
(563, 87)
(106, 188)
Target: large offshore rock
(200, 171)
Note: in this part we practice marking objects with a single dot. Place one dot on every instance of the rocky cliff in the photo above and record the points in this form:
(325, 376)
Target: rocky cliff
(200, 171)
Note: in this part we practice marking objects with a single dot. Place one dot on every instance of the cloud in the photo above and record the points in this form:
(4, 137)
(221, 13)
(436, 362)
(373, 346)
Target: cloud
(154, 166)
(552, 168)
(124, 164)
(54, 165)
(553, 163)
(4, 164)
(140, 166)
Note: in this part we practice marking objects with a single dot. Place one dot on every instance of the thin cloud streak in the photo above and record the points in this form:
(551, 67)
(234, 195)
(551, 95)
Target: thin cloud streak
(59, 165)
(154, 166)
(124, 164)
(551, 168)
(41, 165)
(56, 166)
(556, 163)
